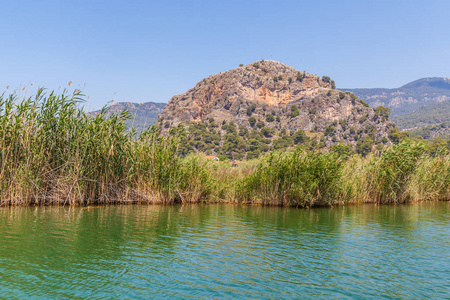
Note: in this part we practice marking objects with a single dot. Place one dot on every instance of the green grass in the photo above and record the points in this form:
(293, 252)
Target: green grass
(51, 152)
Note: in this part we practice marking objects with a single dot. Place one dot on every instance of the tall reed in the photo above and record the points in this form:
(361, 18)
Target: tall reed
(53, 152)
(295, 179)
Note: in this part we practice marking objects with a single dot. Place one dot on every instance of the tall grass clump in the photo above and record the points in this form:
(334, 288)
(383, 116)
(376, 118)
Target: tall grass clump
(293, 179)
(160, 173)
(400, 173)
(389, 173)
(53, 152)
(431, 179)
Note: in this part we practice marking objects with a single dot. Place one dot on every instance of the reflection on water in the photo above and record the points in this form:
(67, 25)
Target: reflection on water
(225, 251)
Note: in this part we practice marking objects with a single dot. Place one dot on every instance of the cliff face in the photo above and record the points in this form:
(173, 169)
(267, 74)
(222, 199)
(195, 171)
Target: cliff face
(279, 97)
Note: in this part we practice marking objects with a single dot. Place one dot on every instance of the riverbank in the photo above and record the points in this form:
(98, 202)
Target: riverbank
(53, 153)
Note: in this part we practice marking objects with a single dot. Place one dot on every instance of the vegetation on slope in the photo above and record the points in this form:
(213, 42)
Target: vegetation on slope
(232, 142)
(427, 115)
(432, 132)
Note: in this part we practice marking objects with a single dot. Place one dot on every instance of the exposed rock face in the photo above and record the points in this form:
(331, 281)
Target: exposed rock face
(280, 97)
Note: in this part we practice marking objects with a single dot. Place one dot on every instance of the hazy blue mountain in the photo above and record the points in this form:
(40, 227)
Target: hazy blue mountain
(409, 97)
(143, 114)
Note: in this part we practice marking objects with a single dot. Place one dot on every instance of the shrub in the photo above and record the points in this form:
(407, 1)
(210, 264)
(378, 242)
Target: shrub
(326, 79)
(252, 121)
(267, 132)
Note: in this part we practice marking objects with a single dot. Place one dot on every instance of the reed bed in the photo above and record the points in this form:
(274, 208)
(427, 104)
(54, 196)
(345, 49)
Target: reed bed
(52, 152)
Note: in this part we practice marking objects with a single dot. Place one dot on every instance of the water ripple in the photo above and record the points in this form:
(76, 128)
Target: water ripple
(216, 251)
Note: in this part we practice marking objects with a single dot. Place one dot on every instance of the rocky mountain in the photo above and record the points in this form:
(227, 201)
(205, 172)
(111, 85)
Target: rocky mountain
(143, 114)
(409, 97)
(266, 101)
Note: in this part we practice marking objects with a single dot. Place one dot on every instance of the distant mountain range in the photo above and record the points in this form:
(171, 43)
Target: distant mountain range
(143, 114)
(409, 97)
(421, 107)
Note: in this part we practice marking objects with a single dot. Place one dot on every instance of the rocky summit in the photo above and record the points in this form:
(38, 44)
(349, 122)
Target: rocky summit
(275, 100)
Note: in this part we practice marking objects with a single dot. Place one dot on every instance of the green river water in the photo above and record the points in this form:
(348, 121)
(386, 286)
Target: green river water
(225, 251)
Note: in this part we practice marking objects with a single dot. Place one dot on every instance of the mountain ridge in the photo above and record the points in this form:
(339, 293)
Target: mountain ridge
(409, 97)
(142, 114)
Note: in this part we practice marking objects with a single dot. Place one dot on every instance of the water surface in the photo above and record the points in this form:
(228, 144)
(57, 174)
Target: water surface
(225, 251)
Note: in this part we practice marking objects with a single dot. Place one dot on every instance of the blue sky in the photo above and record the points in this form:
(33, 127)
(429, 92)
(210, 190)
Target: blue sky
(150, 50)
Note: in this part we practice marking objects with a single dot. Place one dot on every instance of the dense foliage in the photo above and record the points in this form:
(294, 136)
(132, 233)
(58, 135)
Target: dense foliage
(430, 114)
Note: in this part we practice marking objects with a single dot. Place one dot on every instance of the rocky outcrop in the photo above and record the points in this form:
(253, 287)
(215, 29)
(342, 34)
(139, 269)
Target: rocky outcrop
(279, 97)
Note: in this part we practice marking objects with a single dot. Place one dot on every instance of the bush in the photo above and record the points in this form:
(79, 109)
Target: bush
(364, 103)
(294, 111)
(300, 137)
(267, 132)
(363, 147)
(252, 121)
(326, 79)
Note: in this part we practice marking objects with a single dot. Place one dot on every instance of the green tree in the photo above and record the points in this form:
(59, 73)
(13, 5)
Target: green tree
(252, 121)
(300, 137)
(382, 111)
(267, 132)
(363, 147)
(270, 118)
(243, 130)
(396, 136)
(326, 79)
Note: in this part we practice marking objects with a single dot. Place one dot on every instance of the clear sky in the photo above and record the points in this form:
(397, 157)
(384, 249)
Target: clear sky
(143, 51)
